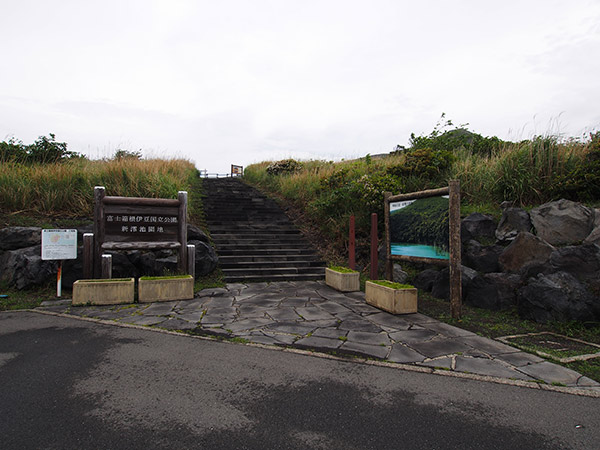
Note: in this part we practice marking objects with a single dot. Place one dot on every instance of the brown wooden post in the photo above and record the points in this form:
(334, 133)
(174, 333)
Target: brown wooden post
(88, 255)
(374, 248)
(389, 270)
(455, 251)
(352, 244)
(106, 266)
(182, 231)
(191, 260)
(99, 194)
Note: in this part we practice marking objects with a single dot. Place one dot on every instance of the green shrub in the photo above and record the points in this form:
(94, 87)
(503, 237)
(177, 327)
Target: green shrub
(284, 167)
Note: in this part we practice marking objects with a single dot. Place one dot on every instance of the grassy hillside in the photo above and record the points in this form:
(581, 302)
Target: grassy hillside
(491, 171)
(63, 188)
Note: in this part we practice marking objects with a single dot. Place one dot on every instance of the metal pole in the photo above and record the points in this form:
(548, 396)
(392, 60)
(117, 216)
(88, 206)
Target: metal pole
(59, 279)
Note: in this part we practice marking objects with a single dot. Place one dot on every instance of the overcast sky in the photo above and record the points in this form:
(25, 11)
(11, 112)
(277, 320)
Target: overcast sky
(237, 81)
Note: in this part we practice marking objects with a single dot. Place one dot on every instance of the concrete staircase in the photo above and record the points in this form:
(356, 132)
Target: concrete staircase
(255, 240)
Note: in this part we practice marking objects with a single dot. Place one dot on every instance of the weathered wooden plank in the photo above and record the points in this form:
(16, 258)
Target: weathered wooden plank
(99, 194)
(136, 210)
(455, 251)
(106, 266)
(389, 268)
(191, 260)
(420, 194)
(137, 245)
(374, 248)
(88, 255)
(417, 259)
(182, 232)
(160, 202)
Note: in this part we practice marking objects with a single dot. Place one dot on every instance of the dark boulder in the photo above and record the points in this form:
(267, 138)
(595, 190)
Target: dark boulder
(496, 291)
(23, 267)
(563, 222)
(481, 227)
(12, 238)
(206, 258)
(400, 276)
(513, 221)
(196, 234)
(482, 258)
(581, 261)
(441, 285)
(526, 249)
(424, 280)
(594, 236)
(558, 296)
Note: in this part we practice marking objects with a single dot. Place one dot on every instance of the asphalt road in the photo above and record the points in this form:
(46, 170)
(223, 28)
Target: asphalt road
(72, 384)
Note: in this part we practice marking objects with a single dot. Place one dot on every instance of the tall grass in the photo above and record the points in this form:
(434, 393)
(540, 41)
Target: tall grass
(527, 173)
(66, 188)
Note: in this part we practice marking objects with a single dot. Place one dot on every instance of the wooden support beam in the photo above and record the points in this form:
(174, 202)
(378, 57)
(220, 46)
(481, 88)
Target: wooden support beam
(389, 268)
(106, 266)
(374, 248)
(88, 255)
(455, 251)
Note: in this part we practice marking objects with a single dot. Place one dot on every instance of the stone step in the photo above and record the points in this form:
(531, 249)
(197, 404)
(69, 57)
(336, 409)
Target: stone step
(273, 278)
(274, 271)
(265, 252)
(242, 259)
(267, 246)
(269, 264)
(258, 239)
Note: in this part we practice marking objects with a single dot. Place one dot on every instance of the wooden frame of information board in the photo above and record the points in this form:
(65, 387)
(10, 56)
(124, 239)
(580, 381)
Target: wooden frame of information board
(131, 223)
(453, 191)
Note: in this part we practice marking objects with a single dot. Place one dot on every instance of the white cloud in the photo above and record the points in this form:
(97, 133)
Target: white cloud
(235, 81)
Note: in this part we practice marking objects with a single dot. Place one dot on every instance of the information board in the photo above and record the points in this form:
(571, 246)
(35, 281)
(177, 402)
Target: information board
(59, 244)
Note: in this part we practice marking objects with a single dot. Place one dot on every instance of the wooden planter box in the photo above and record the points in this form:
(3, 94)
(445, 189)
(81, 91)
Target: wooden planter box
(344, 282)
(103, 292)
(395, 301)
(166, 289)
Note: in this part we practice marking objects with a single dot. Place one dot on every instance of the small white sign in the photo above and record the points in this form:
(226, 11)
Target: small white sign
(59, 244)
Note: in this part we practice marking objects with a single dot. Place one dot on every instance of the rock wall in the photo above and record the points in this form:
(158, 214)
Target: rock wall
(546, 263)
(21, 265)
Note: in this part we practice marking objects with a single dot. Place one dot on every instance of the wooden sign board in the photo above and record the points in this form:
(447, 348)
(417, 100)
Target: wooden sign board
(128, 223)
(431, 242)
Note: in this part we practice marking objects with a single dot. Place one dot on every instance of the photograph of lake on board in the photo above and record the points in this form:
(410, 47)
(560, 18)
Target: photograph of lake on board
(420, 227)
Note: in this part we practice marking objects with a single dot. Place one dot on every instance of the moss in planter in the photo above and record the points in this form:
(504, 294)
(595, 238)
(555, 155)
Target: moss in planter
(170, 277)
(106, 280)
(341, 269)
(392, 285)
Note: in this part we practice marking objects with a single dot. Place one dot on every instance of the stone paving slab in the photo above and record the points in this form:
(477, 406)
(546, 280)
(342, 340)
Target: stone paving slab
(439, 346)
(311, 315)
(318, 343)
(488, 367)
(372, 351)
(489, 346)
(403, 354)
(551, 373)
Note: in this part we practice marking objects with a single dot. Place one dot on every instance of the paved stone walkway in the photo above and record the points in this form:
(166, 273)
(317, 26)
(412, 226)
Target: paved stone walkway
(310, 315)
